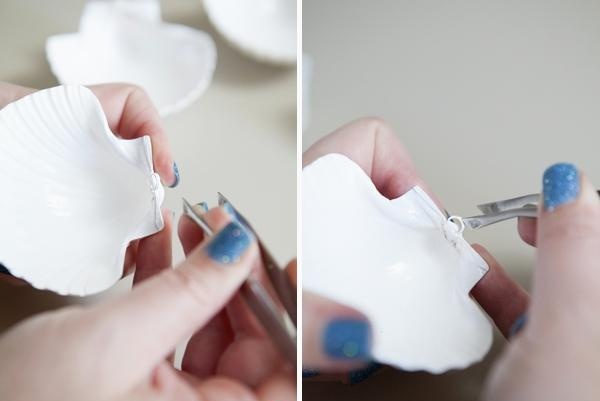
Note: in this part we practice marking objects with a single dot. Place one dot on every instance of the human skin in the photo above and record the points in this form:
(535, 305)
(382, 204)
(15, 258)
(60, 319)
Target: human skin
(555, 356)
(372, 144)
(121, 349)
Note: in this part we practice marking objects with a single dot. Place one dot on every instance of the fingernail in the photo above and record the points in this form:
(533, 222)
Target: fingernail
(347, 339)
(176, 173)
(4, 270)
(363, 374)
(307, 373)
(229, 209)
(203, 206)
(517, 325)
(561, 185)
(228, 245)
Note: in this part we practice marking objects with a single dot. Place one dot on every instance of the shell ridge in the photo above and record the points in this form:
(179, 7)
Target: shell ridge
(59, 131)
(24, 126)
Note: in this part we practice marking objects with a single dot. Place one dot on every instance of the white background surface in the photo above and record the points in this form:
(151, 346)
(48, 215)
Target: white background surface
(485, 95)
(238, 138)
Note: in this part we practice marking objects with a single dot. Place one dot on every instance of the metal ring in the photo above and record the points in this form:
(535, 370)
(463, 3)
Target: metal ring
(458, 221)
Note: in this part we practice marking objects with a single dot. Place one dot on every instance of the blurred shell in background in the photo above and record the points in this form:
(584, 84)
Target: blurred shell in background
(74, 194)
(126, 41)
(263, 29)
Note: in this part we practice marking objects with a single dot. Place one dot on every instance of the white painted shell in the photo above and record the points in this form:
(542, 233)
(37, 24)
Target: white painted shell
(126, 41)
(74, 194)
(400, 262)
(263, 29)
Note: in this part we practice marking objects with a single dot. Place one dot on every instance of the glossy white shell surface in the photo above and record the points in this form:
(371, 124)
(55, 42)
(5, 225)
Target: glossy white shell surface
(263, 29)
(126, 41)
(74, 194)
(397, 261)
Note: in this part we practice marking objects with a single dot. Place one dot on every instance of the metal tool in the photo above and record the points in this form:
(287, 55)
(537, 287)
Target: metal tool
(258, 298)
(494, 212)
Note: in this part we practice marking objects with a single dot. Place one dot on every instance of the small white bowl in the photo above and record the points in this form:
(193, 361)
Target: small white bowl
(263, 29)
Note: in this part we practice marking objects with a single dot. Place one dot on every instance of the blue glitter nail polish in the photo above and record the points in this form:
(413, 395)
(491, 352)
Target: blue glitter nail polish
(176, 172)
(561, 185)
(228, 245)
(347, 339)
(229, 209)
(361, 375)
(235, 215)
(517, 325)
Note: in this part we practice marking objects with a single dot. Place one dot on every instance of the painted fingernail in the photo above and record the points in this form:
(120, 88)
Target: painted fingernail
(307, 373)
(561, 185)
(347, 339)
(228, 245)
(363, 374)
(517, 325)
(230, 210)
(235, 215)
(4, 270)
(176, 173)
(203, 206)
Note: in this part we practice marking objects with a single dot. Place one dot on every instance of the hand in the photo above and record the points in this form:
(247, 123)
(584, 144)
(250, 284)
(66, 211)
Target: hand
(233, 344)
(117, 350)
(130, 114)
(373, 146)
(554, 356)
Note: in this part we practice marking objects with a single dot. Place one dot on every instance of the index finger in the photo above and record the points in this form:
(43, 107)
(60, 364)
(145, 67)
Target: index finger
(372, 144)
(131, 114)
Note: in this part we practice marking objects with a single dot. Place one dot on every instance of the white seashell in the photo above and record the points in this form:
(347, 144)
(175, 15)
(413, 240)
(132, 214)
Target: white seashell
(126, 41)
(75, 194)
(400, 262)
(262, 29)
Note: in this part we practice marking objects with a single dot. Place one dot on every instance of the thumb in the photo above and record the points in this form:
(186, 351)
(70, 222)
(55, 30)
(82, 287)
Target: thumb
(145, 325)
(335, 338)
(567, 275)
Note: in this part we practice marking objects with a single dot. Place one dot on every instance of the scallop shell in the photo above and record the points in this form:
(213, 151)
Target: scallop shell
(75, 194)
(126, 41)
(400, 262)
(263, 29)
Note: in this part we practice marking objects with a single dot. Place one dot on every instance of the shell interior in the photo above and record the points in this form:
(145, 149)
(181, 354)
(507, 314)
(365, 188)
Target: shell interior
(399, 261)
(75, 194)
